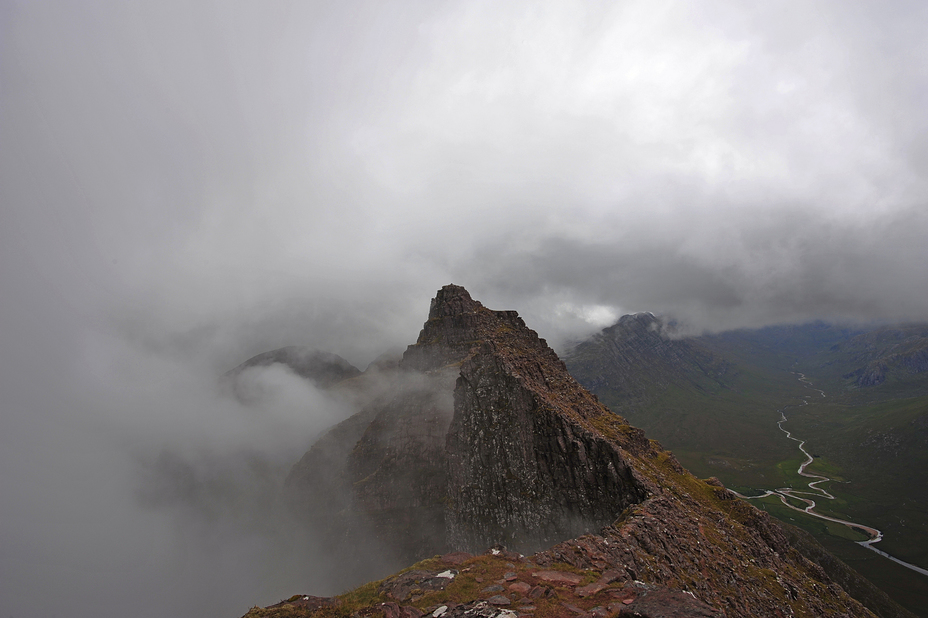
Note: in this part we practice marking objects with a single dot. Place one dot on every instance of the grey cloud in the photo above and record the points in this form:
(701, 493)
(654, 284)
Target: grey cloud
(184, 185)
(800, 268)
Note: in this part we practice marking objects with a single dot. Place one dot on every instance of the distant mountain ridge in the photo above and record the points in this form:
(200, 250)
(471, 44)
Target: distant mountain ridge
(630, 362)
(322, 369)
(888, 352)
(715, 400)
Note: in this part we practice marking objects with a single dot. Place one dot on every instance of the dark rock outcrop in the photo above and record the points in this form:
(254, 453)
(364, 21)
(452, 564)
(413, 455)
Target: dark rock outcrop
(526, 467)
(470, 448)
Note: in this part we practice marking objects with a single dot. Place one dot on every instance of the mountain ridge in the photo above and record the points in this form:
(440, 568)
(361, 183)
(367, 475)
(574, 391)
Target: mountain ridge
(527, 458)
(870, 436)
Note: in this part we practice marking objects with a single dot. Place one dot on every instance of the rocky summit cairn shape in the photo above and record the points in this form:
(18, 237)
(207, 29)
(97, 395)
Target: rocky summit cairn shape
(484, 438)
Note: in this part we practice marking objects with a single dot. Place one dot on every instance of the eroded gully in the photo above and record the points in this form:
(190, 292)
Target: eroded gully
(784, 493)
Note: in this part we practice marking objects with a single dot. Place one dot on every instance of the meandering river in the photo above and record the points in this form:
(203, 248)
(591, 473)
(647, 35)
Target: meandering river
(814, 491)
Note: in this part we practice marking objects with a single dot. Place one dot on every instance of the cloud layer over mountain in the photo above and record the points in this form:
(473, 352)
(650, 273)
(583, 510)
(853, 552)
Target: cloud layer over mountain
(183, 185)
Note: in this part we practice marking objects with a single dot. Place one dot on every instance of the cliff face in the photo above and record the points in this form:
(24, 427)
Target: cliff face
(526, 468)
(485, 438)
(398, 468)
(470, 447)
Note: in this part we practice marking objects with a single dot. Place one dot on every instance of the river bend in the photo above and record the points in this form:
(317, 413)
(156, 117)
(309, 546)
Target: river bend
(814, 491)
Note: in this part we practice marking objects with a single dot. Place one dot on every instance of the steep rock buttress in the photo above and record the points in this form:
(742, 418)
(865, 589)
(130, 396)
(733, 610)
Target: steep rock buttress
(483, 437)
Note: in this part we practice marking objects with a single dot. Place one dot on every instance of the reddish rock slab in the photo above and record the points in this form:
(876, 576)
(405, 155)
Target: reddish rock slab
(394, 610)
(520, 588)
(559, 577)
(456, 558)
(668, 603)
(400, 587)
(610, 576)
(498, 600)
(574, 608)
(540, 591)
(590, 590)
(626, 595)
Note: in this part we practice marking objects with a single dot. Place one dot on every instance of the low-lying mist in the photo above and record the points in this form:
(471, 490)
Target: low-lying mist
(151, 486)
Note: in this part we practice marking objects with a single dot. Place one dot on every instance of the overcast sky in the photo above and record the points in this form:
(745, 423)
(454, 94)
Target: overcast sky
(186, 184)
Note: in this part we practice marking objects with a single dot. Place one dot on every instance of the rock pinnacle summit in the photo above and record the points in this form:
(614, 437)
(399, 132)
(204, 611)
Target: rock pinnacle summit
(484, 439)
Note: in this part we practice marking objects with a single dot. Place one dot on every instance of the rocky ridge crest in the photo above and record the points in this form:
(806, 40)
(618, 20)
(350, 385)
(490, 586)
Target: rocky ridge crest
(486, 439)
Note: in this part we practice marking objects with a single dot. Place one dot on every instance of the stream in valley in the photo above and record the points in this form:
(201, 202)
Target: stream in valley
(817, 492)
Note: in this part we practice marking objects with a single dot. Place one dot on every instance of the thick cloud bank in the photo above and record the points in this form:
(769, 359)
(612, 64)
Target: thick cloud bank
(186, 184)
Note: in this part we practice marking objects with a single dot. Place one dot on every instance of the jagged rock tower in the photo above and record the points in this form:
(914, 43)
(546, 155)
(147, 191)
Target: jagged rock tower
(483, 437)
(523, 469)
(471, 447)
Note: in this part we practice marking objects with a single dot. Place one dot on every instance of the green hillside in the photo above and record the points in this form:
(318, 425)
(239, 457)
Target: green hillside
(715, 401)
